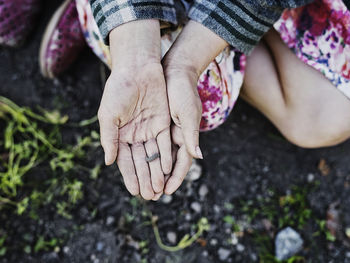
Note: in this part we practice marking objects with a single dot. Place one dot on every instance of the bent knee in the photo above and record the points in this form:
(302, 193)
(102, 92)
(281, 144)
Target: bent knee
(313, 134)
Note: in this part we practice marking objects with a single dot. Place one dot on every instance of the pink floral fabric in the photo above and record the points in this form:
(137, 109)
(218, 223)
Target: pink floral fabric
(318, 33)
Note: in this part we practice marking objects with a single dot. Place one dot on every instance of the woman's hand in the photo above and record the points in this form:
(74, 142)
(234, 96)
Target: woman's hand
(191, 53)
(134, 114)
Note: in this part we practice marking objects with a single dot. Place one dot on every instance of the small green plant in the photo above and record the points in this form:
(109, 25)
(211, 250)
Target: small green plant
(231, 221)
(265, 249)
(186, 241)
(323, 230)
(3, 248)
(287, 210)
(30, 139)
(42, 245)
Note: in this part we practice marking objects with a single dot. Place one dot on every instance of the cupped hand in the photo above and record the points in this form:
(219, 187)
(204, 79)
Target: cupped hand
(191, 53)
(134, 114)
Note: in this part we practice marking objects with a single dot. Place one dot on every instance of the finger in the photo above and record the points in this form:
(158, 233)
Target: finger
(127, 169)
(142, 170)
(190, 130)
(164, 146)
(159, 195)
(109, 138)
(176, 136)
(182, 166)
(157, 176)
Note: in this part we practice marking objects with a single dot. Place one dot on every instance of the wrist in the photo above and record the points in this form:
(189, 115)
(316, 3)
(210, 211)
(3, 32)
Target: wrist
(194, 49)
(135, 44)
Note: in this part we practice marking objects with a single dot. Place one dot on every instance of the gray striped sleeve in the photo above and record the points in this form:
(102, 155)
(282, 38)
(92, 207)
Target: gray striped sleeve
(111, 13)
(241, 23)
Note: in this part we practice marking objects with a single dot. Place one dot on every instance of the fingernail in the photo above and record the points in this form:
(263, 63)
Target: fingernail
(199, 152)
(106, 159)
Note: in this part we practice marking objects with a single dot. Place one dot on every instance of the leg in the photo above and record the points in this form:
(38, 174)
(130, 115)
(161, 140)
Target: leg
(299, 100)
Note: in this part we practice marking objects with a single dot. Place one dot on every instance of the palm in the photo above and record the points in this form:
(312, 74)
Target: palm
(136, 102)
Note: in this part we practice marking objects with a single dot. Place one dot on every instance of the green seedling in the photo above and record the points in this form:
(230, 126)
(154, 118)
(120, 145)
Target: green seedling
(3, 249)
(42, 245)
(186, 241)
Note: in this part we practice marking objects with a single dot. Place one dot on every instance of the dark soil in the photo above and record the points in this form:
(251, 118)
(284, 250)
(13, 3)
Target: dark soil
(246, 162)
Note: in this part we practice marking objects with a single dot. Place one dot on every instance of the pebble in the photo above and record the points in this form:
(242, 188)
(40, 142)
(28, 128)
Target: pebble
(110, 220)
(347, 254)
(195, 172)
(203, 190)
(266, 169)
(196, 207)
(166, 199)
(310, 177)
(240, 248)
(171, 236)
(254, 257)
(217, 209)
(100, 246)
(223, 253)
(347, 232)
(287, 243)
(234, 239)
(66, 249)
(213, 242)
(188, 217)
(205, 253)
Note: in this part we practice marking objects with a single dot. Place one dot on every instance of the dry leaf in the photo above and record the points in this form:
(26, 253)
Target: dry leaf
(323, 167)
(202, 242)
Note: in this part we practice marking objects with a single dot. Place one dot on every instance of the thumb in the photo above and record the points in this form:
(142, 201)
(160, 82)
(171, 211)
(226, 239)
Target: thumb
(109, 139)
(190, 121)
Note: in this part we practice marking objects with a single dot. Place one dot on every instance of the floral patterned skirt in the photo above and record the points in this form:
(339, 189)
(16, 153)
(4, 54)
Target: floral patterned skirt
(318, 33)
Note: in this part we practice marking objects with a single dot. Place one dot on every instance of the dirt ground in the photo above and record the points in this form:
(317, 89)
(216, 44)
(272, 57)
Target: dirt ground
(247, 170)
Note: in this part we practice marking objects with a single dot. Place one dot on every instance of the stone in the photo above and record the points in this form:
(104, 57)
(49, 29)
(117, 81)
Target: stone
(65, 249)
(240, 248)
(196, 207)
(234, 239)
(217, 209)
(171, 236)
(347, 254)
(213, 242)
(166, 199)
(310, 177)
(223, 253)
(288, 242)
(110, 220)
(195, 172)
(203, 191)
(253, 257)
(99, 246)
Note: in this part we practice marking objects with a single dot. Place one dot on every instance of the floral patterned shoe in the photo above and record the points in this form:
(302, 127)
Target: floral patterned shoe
(17, 19)
(63, 40)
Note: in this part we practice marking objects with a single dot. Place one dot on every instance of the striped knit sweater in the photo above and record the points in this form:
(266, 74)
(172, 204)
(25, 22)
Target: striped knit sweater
(241, 23)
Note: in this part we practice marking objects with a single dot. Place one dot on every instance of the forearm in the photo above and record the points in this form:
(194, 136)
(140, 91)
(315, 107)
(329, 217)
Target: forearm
(135, 43)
